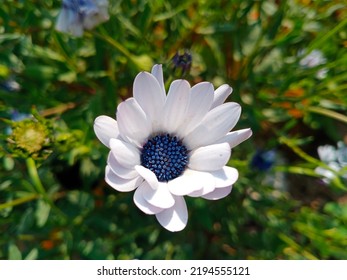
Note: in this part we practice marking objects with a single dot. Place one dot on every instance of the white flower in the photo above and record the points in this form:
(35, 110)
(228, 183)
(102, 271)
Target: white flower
(341, 154)
(168, 146)
(336, 159)
(314, 59)
(327, 153)
(78, 15)
(327, 174)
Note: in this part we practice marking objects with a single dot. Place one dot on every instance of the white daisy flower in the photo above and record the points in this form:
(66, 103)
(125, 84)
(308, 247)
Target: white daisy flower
(165, 147)
(78, 15)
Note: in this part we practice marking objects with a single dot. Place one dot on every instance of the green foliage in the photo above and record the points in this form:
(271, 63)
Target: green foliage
(54, 203)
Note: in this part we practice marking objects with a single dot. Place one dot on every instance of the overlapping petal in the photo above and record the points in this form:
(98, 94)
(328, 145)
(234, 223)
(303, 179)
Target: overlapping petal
(209, 158)
(218, 193)
(143, 204)
(175, 107)
(220, 95)
(191, 181)
(125, 153)
(160, 197)
(216, 124)
(175, 218)
(200, 100)
(149, 95)
(225, 177)
(236, 137)
(120, 184)
(148, 175)
(133, 123)
(106, 128)
(157, 72)
(120, 170)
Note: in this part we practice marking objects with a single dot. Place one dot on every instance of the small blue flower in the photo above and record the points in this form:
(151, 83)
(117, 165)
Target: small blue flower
(263, 159)
(78, 15)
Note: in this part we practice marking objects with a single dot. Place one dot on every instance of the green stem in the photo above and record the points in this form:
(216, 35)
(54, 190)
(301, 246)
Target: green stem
(19, 201)
(321, 40)
(328, 113)
(34, 176)
(142, 62)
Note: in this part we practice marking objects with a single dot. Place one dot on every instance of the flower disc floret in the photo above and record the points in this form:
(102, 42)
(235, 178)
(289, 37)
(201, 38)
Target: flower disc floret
(165, 156)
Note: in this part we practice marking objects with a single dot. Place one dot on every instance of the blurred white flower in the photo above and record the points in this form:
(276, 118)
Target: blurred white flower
(78, 15)
(168, 146)
(10, 85)
(336, 159)
(341, 154)
(314, 59)
(327, 153)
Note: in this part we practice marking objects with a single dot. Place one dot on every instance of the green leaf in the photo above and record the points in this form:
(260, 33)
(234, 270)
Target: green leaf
(32, 255)
(13, 252)
(42, 212)
(81, 199)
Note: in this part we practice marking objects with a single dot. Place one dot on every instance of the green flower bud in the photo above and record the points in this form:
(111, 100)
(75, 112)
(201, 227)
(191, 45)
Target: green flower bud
(30, 138)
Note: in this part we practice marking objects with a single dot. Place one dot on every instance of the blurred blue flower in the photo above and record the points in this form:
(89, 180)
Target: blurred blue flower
(263, 160)
(16, 117)
(78, 15)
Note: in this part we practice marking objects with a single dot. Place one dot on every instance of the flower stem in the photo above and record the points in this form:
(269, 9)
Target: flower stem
(34, 176)
(19, 201)
(328, 113)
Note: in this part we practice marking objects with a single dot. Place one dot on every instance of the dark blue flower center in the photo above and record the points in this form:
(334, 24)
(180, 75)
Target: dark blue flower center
(165, 156)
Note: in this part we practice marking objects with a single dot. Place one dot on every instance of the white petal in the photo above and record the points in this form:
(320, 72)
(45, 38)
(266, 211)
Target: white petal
(119, 170)
(191, 181)
(62, 24)
(200, 101)
(157, 72)
(214, 126)
(105, 128)
(149, 95)
(133, 122)
(209, 158)
(234, 138)
(175, 106)
(218, 193)
(119, 184)
(224, 177)
(161, 197)
(69, 22)
(221, 94)
(148, 175)
(142, 204)
(205, 190)
(125, 153)
(176, 217)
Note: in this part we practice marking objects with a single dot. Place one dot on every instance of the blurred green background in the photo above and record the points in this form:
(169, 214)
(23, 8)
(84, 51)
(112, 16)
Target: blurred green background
(54, 204)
